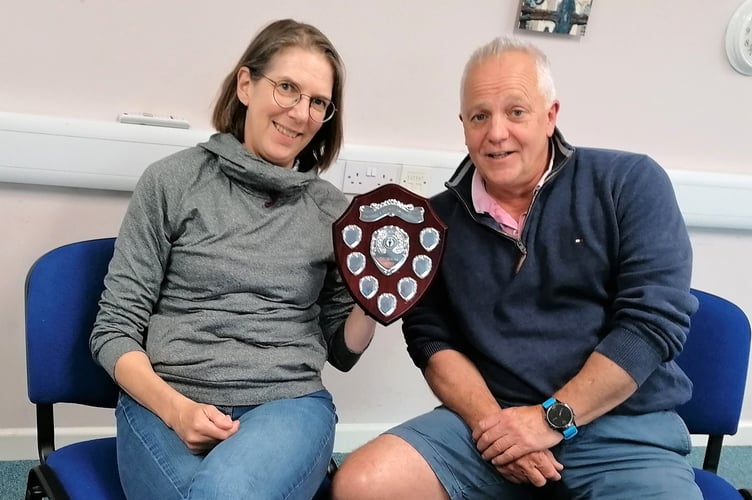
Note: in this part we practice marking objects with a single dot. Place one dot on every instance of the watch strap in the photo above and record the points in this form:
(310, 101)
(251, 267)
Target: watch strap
(569, 432)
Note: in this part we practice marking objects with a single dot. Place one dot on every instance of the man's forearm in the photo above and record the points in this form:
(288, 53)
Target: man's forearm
(458, 384)
(600, 386)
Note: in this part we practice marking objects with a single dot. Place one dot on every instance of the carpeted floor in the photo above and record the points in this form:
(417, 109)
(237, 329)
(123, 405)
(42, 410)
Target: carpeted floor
(13, 478)
(736, 467)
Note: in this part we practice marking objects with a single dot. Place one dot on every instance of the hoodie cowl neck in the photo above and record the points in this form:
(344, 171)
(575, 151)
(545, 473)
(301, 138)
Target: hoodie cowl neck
(254, 173)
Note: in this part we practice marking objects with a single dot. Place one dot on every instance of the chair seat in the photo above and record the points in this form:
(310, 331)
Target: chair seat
(88, 470)
(715, 487)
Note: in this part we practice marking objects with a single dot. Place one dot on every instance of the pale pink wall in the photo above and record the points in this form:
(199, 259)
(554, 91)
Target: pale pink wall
(648, 76)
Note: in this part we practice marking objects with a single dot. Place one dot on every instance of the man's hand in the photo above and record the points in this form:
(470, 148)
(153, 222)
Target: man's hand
(536, 468)
(202, 426)
(512, 433)
(457, 383)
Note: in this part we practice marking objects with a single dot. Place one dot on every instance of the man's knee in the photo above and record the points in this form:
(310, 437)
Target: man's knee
(360, 470)
(387, 467)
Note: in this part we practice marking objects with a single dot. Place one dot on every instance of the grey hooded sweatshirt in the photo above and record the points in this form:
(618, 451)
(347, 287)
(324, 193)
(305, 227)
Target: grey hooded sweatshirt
(224, 275)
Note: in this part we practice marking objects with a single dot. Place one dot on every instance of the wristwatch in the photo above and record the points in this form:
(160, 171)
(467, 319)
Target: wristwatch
(560, 417)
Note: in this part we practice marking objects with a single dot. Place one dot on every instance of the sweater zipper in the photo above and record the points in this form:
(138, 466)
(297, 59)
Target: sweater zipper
(520, 245)
(517, 242)
(523, 255)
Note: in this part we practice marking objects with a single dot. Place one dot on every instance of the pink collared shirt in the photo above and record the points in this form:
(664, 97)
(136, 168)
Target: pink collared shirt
(484, 203)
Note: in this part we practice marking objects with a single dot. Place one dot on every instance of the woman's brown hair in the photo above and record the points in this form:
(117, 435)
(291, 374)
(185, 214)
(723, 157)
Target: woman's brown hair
(229, 113)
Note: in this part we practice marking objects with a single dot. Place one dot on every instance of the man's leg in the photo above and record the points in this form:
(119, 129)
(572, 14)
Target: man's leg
(387, 467)
(629, 456)
(431, 456)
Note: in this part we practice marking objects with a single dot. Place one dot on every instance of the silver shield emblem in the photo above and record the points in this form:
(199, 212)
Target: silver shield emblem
(390, 246)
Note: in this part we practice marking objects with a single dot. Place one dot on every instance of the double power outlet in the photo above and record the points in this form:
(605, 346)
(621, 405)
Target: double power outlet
(361, 177)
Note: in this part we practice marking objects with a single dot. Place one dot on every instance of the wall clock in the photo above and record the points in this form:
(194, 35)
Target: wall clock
(739, 39)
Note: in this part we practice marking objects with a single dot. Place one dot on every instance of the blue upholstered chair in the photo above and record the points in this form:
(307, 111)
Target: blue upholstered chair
(62, 296)
(716, 357)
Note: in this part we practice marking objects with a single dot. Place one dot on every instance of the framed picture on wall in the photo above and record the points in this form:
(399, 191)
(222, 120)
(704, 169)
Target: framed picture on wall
(568, 17)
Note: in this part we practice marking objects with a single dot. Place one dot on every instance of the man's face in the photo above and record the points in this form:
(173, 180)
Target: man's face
(507, 123)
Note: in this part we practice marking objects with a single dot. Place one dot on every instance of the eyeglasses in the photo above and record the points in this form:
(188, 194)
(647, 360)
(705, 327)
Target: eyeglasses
(287, 94)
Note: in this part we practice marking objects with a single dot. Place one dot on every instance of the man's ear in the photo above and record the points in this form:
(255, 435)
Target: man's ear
(244, 87)
(553, 113)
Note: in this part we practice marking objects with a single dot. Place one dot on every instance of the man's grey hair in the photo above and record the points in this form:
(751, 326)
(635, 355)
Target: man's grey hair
(504, 44)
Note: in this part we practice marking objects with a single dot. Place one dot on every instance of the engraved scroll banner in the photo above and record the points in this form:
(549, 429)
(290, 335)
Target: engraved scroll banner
(388, 245)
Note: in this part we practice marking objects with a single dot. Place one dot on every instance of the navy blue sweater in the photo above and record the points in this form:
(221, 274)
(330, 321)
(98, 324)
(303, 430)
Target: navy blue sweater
(603, 264)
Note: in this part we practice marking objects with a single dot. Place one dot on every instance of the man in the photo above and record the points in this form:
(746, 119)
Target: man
(551, 330)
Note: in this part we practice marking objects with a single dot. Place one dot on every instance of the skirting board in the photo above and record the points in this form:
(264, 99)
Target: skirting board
(109, 155)
(20, 443)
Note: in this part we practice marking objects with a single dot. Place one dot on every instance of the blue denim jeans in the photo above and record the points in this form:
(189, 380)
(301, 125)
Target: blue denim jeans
(614, 457)
(281, 451)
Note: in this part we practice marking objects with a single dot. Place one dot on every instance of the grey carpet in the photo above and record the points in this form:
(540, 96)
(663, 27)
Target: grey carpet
(736, 467)
(13, 478)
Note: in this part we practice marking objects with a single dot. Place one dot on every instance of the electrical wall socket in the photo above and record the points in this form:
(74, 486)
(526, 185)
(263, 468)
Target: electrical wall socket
(416, 179)
(361, 177)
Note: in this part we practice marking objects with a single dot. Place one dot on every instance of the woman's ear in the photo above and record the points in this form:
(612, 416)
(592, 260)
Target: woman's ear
(244, 85)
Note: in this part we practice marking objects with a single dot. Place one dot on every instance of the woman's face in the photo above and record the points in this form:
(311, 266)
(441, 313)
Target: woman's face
(278, 134)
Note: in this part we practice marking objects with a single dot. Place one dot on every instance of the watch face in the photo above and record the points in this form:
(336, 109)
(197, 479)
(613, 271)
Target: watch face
(559, 416)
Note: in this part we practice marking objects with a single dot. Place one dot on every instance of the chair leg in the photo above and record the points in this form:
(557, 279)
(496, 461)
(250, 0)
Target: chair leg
(332, 468)
(43, 483)
(34, 490)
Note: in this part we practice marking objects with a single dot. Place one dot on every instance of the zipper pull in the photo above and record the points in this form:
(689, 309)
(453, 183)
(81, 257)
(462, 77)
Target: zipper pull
(523, 251)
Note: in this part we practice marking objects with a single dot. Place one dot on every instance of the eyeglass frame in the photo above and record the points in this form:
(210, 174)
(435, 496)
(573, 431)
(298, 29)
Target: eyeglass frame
(276, 84)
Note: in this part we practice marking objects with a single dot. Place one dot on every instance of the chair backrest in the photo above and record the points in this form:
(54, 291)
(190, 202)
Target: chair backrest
(63, 288)
(716, 358)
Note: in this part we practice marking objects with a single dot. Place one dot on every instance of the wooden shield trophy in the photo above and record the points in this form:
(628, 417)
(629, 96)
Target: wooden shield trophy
(388, 245)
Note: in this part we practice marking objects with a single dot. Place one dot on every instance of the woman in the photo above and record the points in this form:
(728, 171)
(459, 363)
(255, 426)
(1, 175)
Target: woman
(223, 301)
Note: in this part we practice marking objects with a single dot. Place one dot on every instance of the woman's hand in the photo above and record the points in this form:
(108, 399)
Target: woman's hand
(202, 426)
